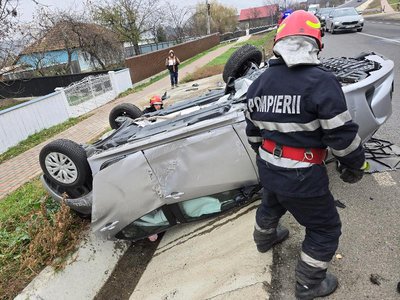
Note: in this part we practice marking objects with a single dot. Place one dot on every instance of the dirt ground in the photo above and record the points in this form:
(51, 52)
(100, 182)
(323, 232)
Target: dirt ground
(128, 271)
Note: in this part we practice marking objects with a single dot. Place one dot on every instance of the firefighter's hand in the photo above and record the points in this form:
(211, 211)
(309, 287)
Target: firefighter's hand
(350, 175)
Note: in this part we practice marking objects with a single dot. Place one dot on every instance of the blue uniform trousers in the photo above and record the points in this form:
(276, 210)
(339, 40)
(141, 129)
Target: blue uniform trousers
(317, 214)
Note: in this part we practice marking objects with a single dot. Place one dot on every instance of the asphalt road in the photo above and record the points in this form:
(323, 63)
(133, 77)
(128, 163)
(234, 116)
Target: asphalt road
(352, 3)
(370, 242)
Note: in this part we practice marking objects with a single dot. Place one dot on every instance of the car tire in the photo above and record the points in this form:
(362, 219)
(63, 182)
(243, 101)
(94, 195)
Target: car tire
(362, 55)
(240, 61)
(65, 164)
(124, 109)
(359, 29)
(332, 30)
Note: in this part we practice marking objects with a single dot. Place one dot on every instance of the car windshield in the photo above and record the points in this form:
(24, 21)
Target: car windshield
(324, 11)
(344, 12)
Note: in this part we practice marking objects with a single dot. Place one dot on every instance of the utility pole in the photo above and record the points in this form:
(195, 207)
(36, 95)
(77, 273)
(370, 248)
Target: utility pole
(208, 18)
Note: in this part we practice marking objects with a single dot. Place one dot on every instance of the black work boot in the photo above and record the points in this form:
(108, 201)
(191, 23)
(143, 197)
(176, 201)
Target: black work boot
(325, 288)
(265, 239)
(313, 282)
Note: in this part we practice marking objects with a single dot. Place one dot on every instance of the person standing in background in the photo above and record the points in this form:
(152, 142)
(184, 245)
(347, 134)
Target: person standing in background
(172, 62)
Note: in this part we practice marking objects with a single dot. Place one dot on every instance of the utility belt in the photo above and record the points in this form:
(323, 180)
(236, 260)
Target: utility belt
(311, 155)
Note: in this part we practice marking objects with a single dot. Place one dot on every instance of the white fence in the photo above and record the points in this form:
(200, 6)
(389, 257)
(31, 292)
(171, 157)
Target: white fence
(23, 120)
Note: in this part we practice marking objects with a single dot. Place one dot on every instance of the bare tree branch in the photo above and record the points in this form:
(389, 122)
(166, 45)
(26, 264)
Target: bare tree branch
(130, 19)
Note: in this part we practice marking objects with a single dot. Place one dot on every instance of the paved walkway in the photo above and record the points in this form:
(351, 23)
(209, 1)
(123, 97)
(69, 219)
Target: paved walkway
(24, 167)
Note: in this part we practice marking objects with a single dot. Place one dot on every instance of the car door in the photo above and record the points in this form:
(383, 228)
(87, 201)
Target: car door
(126, 199)
(203, 164)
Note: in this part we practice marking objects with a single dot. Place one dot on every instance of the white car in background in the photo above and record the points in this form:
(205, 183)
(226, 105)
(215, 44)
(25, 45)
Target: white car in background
(344, 19)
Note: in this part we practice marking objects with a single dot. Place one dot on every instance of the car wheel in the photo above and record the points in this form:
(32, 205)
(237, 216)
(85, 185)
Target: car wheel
(332, 31)
(122, 110)
(64, 163)
(240, 61)
(359, 29)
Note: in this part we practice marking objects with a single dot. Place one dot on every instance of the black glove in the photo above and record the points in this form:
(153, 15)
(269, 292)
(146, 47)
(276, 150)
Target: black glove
(351, 175)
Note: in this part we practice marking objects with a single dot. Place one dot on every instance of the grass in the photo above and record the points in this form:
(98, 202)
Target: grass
(375, 4)
(203, 72)
(34, 232)
(39, 137)
(141, 86)
(395, 4)
(216, 66)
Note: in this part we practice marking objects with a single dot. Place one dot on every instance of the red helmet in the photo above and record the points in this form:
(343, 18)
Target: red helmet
(155, 100)
(300, 22)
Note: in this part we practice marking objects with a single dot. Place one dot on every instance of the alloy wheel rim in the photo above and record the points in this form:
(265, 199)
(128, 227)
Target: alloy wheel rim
(61, 167)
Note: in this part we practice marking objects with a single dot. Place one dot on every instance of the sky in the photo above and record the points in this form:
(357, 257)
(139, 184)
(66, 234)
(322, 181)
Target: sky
(27, 7)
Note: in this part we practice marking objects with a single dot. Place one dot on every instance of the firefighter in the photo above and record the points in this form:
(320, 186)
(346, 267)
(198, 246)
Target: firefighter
(155, 104)
(295, 110)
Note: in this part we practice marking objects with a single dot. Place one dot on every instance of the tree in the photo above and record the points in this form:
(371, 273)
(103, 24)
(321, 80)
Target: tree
(130, 19)
(223, 18)
(8, 14)
(161, 35)
(178, 19)
(74, 34)
(99, 45)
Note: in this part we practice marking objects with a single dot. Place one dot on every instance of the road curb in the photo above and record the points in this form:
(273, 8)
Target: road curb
(83, 276)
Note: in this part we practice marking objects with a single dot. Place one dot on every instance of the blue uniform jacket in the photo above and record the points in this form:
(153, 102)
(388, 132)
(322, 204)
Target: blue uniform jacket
(302, 107)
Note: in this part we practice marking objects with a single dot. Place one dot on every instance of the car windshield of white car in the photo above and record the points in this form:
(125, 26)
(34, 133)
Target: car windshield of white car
(345, 12)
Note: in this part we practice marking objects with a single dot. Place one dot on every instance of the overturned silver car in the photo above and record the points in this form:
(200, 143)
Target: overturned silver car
(190, 160)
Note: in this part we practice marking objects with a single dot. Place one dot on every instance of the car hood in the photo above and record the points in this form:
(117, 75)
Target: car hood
(347, 18)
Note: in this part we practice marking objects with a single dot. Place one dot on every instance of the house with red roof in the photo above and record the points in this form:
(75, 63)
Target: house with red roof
(258, 16)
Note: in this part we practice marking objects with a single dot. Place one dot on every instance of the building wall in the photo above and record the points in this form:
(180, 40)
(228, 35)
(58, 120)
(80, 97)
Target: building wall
(47, 59)
(146, 65)
(257, 22)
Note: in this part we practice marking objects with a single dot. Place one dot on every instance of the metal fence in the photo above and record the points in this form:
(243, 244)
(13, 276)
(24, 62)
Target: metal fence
(130, 50)
(88, 88)
(88, 94)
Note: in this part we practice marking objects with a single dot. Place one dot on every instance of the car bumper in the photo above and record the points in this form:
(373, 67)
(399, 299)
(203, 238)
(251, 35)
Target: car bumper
(347, 27)
(82, 204)
(370, 100)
